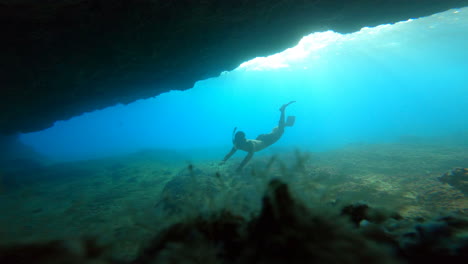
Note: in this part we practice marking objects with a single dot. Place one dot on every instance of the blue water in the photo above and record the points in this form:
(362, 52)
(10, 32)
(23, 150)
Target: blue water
(376, 85)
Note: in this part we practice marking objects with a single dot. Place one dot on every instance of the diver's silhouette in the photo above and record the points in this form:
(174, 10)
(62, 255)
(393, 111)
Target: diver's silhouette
(262, 141)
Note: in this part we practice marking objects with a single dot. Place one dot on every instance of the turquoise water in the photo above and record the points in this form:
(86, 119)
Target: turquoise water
(381, 121)
(381, 84)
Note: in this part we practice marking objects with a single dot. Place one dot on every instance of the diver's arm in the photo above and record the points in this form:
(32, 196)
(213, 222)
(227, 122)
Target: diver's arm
(233, 150)
(246, 159)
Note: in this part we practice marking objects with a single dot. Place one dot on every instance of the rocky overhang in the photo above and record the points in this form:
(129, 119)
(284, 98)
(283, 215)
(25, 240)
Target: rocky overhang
(61, 58)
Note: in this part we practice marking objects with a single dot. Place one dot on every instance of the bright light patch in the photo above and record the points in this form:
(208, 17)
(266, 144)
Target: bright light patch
(307, 48)
(304, 48)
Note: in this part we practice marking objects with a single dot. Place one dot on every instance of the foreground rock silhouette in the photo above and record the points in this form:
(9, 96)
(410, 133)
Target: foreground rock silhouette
(285, 231)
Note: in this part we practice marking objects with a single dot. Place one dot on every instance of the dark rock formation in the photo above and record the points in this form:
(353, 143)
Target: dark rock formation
(285, 231)
(13, 152)
(441, 240)
(362, 212)
(457, 178)
(76, 252)
(189, 187)
(62, 58)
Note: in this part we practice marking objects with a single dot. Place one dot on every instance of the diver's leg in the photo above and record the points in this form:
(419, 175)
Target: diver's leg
(281, 122)
(277, 132)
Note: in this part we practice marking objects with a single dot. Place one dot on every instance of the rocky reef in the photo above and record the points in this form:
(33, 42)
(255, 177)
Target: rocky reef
(184, 187)
(381, 203)
(285, 231)
(15, 155)
(63, 58)
(457, 178)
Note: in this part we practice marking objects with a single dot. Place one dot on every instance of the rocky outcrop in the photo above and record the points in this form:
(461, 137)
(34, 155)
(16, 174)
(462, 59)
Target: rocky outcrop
(284, 231)
(457, 178)
(63, 58)
(15, 155)
(183, 191)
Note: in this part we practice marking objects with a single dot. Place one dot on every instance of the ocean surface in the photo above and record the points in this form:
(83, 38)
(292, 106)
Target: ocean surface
(381, 119)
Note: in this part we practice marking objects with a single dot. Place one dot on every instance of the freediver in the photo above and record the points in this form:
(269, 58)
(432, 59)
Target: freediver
(261, 142)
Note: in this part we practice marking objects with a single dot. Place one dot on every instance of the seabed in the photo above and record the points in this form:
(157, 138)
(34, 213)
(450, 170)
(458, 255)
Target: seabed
(387, 200)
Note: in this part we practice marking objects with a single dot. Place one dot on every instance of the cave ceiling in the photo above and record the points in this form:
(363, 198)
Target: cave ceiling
(61, 58)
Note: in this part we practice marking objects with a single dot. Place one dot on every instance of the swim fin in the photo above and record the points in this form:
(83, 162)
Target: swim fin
(290, 121)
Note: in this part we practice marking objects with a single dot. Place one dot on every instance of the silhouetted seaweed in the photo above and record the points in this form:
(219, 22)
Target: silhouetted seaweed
(286, 230)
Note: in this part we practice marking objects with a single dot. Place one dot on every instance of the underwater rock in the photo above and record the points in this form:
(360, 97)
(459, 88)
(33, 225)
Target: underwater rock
(24, 172)
(189, 189)
(356, 212)
(284, 231)
(15, 155)
(85, 55)
(18, 162)
(359, 212)
(20, 172)
(197, 240)
(72, 252)
(444, 240)
(288, 232)
(457, 178)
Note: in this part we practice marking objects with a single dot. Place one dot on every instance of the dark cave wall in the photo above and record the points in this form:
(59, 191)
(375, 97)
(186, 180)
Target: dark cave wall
(15, 155)
(63, 58)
